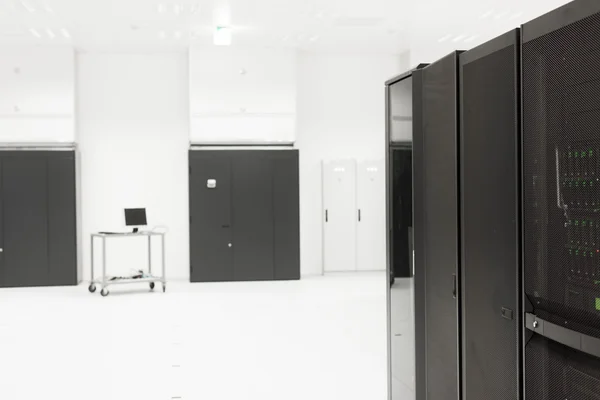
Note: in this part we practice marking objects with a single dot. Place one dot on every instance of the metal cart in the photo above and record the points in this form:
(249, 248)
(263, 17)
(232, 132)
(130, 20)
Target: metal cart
(104, 282)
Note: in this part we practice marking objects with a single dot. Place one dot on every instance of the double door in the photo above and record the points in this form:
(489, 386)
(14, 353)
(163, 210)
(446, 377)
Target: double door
(37, 218)
(353, 216)
(244, 215)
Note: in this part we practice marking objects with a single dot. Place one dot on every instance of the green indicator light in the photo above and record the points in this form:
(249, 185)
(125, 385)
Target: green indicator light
(576, 222)
(583, 153)
(576, 252)
(576, 154)
(591, 152)
(584, 183)
(597, 304)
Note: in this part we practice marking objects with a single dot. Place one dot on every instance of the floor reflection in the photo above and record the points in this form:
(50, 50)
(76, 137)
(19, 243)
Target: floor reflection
(403, 339)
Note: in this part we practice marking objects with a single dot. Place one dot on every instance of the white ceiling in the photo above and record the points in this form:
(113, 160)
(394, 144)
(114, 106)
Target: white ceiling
(382, 26)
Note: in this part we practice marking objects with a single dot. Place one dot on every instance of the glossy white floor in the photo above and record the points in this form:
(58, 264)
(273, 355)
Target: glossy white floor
(318, 338)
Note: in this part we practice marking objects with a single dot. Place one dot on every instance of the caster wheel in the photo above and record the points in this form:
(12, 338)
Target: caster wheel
(151, 285)
(104, 292)
(164, 288)
(92, 288)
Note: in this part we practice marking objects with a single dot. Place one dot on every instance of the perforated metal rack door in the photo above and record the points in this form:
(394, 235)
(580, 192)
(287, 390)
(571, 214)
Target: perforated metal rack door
(561, 209)
(490, 232)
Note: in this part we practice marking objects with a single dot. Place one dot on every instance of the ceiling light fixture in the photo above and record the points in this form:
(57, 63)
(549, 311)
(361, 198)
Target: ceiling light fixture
(486, 14)
(35, 33)
(65, 33)
(222, 36)
(177, 9)
(501, 15)
(517, 15)
(27, 6)
(161, 8)
(459, 37)
(471, 38)
(444, 38)
(50, 33)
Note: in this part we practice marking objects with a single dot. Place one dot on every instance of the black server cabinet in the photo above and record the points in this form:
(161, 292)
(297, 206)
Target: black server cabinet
(399, 99)
(244, 215)
(490, 229)
(37, 218)
(561, 203)
(436, 230)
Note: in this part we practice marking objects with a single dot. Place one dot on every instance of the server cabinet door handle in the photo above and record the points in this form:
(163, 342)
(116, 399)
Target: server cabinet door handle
(359, 215)
(454, 285)
(326, 215)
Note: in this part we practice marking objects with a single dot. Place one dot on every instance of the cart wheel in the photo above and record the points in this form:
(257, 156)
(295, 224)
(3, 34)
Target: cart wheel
(92, 288)
(164, 288)
(152, 285)
(104, 292)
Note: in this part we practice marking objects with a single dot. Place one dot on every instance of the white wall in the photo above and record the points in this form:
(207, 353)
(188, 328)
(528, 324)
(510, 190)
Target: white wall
(133, 132)
(37, 101)
(341, 114)
(242, 95)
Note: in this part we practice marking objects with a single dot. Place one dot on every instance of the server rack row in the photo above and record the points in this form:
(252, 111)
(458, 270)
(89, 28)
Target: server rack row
(506, 219)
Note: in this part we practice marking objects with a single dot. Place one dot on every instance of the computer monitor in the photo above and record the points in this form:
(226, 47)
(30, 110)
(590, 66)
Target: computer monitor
(135, 217)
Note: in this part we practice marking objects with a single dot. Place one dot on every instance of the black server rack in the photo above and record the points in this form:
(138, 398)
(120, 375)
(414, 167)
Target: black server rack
(561, 206)
(436, 230)
(400, 94)
(490, 229)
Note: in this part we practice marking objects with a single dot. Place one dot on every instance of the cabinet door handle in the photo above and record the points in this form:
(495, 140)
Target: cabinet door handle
(326, 215)
(359, 215)
(454, 286)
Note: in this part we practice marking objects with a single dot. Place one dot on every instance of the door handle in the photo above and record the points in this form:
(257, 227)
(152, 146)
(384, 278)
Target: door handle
(454, 286)
(359, 215)
(326, 215)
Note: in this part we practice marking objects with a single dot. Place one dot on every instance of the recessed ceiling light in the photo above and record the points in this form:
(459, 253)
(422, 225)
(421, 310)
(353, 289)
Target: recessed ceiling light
(444, 38)
(161, 8)
(486, 14)
(459, 37)
(177, 9)
(471, 38)
(65, 33)
(50, 33)
(222, 36)
(35, 33)
(27, 6)
(162, 35)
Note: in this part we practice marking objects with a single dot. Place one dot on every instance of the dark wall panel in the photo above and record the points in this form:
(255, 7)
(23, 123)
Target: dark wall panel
(25, 217)
(210, 222)
(253, 233)
(490, 230)
(440, 225)
(62, 229)
(286, 213)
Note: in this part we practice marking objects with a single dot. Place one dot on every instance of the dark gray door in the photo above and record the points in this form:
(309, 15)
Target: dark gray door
(210, 211)
(490, 251)
(440, 235)
(62, 226)
(252, 199)
(286, 214)
(25, 219)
